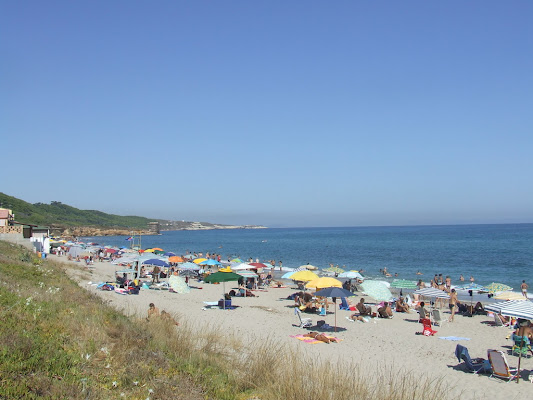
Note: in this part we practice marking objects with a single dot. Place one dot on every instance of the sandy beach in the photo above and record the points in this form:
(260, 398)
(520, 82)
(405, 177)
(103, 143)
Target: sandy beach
(380, 344)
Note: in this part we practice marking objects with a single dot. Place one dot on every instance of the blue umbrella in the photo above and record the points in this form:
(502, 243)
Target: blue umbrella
(334, 292)
(189, 266)
(210, 262)
(170, 254)
(155, 261)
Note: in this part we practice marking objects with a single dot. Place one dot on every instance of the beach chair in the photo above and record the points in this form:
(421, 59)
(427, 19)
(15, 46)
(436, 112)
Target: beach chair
(479, 365)
(437, 318)
(344, 304)
(500, 367)
(304, 322)
(521, 345)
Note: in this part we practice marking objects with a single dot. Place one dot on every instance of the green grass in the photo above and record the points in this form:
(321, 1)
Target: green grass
(58, 341)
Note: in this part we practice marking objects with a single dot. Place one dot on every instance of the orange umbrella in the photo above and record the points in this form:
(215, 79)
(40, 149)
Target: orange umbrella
(175, 259)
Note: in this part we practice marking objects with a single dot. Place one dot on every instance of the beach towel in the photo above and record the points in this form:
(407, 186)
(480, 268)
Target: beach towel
(312, 340)
(453, 338)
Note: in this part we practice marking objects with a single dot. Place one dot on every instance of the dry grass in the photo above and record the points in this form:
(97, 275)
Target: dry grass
(66, 343)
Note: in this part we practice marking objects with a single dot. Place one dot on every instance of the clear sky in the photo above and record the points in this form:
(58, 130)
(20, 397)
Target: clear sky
(282, 113)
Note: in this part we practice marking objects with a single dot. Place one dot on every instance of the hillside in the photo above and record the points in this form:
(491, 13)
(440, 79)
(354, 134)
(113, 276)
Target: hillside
(59, 215)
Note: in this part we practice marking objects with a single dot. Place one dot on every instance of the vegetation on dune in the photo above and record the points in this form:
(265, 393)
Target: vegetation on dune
(60, 341)
(58, 214)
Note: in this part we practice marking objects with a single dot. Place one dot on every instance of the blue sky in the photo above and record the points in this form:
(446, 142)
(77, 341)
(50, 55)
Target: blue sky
(299, 113)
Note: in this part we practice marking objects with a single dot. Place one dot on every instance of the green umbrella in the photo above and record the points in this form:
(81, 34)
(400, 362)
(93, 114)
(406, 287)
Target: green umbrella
(498, 287)
(403, 284)
(377, 290)
(218, 277)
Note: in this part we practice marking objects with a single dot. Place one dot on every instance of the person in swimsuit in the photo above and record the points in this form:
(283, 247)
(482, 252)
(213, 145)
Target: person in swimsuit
(452, 304)
(524, 288)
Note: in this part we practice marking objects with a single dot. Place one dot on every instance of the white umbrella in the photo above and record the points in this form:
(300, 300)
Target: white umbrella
(241, 267)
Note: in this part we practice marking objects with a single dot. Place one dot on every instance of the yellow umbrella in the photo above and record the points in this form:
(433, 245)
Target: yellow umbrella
(324, 282)
(149, 251)
(510, 296)
(304, 276)
(199, 260)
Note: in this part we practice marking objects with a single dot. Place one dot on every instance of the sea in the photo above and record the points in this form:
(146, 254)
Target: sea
(500, 253)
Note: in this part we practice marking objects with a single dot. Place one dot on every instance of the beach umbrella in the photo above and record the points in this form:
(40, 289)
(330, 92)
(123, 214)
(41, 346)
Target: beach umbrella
(170, 254)
(304, 276)
(351, 275)
(237, 260)
(497, 287)
(209, 262)
(334, 292)
(403, 284)
(515, 308)
(148, 251)
(510, 296)
(175, 259)
(189, 266)
(260, 265)
(288, 275)
(432, 292)
(377, 290)
(247, 274)
(156, 261)
(335, 270)
(324, 282)
(157, 249)
(160, 252)
(241, 266)
(223, 277)
(199, 260)
(178, 284)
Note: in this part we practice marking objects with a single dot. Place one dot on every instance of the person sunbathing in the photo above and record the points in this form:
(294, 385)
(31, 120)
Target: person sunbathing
(401, 306)
(362, 308)
(385, 311)
(320, 336)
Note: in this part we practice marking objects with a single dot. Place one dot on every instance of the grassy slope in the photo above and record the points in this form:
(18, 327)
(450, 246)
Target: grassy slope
(58, 214)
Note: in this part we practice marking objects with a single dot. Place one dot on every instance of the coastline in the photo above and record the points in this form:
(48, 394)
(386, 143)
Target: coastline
(373, 346)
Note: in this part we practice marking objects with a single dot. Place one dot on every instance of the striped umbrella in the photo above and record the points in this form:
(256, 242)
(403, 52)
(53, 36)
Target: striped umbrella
(247, 274)
(516, 308)
(403, 284)
(432, 292)
(497, 287)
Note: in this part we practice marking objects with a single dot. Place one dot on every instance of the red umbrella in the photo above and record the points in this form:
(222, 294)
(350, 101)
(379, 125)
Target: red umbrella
(112, 251)
(258, 265)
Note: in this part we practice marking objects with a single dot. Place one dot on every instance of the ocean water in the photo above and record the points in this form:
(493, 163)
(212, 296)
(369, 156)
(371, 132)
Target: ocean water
(490, 253)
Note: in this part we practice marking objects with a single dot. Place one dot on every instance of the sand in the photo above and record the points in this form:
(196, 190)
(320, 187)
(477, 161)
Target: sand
(374, 345)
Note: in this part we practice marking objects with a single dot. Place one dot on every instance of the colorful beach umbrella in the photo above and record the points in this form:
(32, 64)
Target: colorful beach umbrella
(247, 274)
(176, 259)
(377, 290)
(199, 260)
(304, 276)
(324, 282)
(498, 287)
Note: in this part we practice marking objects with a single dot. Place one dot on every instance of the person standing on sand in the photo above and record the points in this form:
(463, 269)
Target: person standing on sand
(453, 303)
(524, 288)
